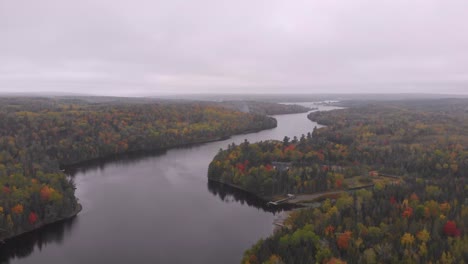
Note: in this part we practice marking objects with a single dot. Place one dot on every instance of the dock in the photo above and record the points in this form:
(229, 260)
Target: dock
(290, 197)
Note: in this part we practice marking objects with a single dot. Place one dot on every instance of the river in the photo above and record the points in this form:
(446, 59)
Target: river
(157, 208)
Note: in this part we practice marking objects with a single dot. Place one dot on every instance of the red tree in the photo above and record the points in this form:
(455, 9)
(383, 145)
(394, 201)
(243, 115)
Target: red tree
(290, 147)
(450, 229)
(329, 230)
(339, 183)
(407, 213)
(32, 218)
(343, 240)
(241, 167)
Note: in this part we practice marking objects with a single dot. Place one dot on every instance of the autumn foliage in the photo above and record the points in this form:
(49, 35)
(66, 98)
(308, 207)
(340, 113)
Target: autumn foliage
(289, 148)
(338, 183)
(450, 229)
(407, 239)
(241, 166)
(329, 230)
(32, 218)
(45, 193)
(335, 261)
(343, 240)
(17, 209)
(407, 213)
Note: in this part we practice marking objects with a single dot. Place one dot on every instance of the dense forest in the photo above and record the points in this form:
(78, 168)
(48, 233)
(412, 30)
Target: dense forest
(419, 216)
(39, 135)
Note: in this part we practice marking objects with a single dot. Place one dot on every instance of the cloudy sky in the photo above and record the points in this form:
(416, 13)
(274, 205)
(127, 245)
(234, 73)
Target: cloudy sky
(141, 47)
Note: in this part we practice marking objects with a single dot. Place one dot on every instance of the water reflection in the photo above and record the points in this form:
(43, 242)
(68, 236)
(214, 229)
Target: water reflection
(229, 194)
(123, 159)
(24, 245)
(120, 159)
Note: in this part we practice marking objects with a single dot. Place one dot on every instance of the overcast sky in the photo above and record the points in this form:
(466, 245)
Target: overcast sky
(137, 47)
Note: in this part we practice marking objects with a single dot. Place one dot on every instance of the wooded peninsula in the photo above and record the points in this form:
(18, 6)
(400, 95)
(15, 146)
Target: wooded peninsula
(397, 171)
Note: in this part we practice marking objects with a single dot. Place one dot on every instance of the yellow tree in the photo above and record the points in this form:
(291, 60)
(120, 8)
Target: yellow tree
(407, 239)
(274, 259)
(423, 235)
(446, 258)
(422, 249)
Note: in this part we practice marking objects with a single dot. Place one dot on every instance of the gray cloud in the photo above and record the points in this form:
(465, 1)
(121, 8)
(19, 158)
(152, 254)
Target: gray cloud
(148, 47)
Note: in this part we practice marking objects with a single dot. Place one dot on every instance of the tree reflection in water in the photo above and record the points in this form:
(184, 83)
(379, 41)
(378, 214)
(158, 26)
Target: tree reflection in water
(229, 194)
(24, 245)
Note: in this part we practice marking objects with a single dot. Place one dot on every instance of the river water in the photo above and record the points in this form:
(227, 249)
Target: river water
(157, 208)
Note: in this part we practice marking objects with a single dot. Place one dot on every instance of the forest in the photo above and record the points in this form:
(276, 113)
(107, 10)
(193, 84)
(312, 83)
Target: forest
(421, 217)
(39, 136)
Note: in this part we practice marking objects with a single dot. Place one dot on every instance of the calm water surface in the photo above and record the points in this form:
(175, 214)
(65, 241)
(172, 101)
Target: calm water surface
(157, 209)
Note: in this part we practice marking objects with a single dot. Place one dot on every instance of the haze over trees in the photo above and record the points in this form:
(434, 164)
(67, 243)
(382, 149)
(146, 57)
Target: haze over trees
(265, 108)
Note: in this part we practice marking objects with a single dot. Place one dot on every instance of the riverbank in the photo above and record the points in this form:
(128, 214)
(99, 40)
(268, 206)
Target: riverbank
(298, 200)
(78, 209)
(280, 220)
(143, 152)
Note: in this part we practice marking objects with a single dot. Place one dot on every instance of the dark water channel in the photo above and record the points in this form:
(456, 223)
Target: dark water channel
(157, 208)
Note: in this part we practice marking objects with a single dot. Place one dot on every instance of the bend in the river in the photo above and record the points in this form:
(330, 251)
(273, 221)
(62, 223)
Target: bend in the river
(157, 209)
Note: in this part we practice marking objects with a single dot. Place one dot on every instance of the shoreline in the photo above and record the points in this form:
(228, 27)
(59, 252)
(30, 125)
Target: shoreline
(41, 225)
(75, 165)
